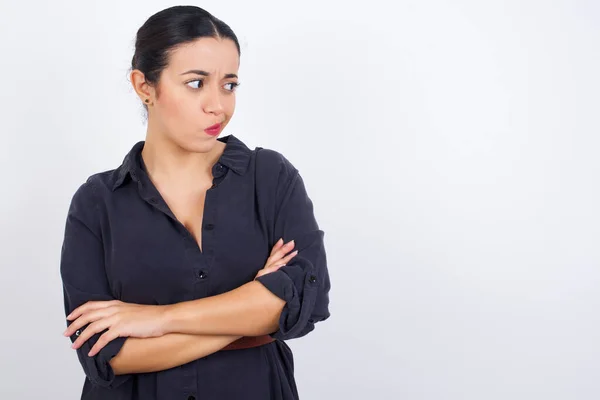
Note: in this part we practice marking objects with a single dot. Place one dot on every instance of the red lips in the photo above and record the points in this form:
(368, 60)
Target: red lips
(213, 130)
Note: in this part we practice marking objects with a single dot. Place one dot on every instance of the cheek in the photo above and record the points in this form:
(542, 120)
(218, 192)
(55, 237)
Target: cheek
(229, 106)
(180, 108)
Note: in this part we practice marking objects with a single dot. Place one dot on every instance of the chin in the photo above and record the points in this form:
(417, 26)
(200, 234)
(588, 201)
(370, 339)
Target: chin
(197, 144)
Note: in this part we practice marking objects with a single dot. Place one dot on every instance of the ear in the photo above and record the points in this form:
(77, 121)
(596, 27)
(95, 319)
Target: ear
(141, 87)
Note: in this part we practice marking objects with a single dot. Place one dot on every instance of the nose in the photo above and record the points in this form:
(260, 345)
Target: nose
(213, 103)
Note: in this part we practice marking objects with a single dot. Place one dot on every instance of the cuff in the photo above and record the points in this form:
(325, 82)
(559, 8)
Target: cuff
(299, 297)
(97, 368)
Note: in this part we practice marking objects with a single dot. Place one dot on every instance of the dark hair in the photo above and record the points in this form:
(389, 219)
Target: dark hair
(169, 28)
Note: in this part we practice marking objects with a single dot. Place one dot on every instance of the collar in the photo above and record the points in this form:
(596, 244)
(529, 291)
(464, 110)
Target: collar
(236, 157)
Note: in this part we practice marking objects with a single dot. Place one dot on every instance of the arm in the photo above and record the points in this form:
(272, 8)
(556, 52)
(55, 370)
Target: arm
(159, 353)
(250, 310)
(286, 303)
(84, 279)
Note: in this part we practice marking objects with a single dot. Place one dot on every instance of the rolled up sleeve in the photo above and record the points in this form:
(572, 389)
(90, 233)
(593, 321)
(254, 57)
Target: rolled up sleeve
(304, 282)
(84, 279)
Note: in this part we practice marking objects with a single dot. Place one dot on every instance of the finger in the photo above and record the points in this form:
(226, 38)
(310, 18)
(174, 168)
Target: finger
(283, 260)
(287, 258)
(277, 246)
(281, 252)
(87, 318)
(76, 325)
(90, 306)
(106, 337)
(83, 320)
(90, 331)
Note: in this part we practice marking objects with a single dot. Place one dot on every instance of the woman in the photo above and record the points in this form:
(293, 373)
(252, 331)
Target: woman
(187, 267)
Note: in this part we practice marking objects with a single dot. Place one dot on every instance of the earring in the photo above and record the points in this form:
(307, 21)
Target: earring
(147, 100)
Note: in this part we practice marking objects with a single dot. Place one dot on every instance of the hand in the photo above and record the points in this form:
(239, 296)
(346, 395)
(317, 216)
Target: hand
(121, 319)
(277, 260)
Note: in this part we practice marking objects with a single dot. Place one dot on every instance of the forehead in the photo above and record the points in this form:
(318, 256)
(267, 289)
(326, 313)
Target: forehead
(208, 54)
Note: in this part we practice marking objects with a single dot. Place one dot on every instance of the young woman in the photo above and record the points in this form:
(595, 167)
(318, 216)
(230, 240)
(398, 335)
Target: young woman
(186, 268)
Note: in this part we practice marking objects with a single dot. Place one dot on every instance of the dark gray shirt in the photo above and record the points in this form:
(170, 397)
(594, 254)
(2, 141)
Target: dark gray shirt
(122, 242)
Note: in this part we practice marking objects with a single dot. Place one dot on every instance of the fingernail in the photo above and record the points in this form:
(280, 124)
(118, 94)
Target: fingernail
(280, 241)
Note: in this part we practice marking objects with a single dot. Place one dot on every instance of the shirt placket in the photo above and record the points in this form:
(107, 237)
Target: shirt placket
(199, 261)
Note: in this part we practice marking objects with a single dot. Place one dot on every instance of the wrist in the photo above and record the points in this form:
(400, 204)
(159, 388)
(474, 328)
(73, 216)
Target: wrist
(168, 318)
(178, 317)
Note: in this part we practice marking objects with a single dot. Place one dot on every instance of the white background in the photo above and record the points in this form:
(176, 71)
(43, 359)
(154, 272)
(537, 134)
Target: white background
(450, 148)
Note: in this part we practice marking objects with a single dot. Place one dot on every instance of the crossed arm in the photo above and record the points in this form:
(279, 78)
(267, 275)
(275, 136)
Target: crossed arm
(209, 325)
(162, 337)
(139, 355)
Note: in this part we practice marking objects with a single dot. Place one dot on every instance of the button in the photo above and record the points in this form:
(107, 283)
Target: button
(201, 274)
(209, 227)
(219, 167)
(312, 279)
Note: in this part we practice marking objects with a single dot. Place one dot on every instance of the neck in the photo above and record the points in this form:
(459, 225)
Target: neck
(168, 162)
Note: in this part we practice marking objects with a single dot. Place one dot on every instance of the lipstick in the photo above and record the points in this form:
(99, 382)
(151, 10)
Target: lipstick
(213, 130)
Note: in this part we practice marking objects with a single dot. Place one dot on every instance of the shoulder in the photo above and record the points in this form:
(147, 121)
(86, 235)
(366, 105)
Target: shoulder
(274, 166)
(103, 182)
(89, 192)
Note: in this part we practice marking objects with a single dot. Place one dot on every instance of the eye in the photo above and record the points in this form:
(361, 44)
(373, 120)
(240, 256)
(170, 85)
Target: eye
(233, 86)
(200, 83)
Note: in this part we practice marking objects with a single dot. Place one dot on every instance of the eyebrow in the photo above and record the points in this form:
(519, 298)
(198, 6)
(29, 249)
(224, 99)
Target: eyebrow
(204, 73)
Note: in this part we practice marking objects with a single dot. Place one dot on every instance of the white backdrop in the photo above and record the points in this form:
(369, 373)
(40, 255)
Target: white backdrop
(450, 149)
